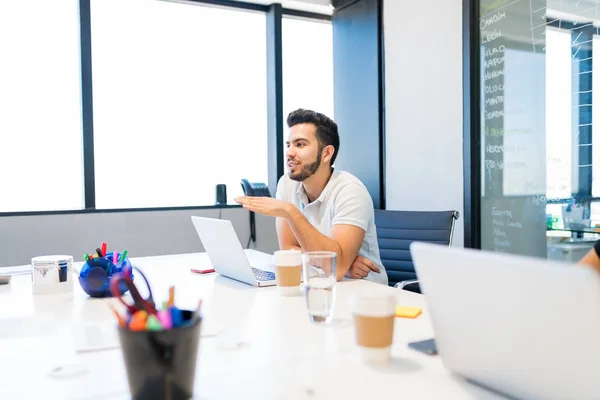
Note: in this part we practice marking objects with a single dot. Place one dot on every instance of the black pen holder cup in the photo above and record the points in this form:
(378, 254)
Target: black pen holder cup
(161, 364)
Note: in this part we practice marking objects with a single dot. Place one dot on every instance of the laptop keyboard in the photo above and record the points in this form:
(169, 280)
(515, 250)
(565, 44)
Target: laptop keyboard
(261, 275)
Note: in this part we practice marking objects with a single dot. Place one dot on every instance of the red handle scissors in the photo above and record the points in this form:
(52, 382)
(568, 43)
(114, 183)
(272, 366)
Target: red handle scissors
(124, 278)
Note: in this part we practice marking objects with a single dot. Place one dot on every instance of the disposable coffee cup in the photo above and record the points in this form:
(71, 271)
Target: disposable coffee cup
(373, 313)
(288, 271)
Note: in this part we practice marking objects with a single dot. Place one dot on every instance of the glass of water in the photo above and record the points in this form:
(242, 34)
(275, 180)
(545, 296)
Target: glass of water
(319, 270)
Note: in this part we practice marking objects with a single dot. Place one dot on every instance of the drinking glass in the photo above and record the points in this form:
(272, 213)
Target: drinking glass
(319, 270)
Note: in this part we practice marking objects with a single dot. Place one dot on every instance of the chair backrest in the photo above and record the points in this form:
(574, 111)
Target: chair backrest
(396, 230)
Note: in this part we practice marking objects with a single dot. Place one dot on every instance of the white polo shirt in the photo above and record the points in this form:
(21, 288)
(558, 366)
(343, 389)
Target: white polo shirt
(345, 200)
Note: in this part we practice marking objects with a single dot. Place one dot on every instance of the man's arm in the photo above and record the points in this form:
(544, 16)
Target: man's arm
(345, 239)
(361, 268)
(352, 213)
(285, 236)
(591, 259)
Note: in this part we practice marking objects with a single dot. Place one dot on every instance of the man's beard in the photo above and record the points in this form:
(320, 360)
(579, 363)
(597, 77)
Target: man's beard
(307, 170)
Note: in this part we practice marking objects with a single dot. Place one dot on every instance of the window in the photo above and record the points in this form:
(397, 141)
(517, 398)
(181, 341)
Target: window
(41, 165)
(307, 66)
(559, 109)
(180, 102)
(596, 120)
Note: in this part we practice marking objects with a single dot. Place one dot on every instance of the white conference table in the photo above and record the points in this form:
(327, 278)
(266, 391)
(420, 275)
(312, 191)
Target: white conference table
(254, 344)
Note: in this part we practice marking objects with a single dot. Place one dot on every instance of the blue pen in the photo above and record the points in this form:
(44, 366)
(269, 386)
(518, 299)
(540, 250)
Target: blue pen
(176, 316)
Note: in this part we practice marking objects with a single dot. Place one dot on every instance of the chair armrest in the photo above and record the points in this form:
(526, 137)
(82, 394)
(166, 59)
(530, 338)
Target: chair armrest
(403, 284)
(410, 285)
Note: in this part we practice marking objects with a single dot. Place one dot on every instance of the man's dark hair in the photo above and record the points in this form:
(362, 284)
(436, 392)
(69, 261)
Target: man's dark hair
(327, 131)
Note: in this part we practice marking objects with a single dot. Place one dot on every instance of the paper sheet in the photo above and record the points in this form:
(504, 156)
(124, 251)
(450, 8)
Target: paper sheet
(27, 326)
(95, 336)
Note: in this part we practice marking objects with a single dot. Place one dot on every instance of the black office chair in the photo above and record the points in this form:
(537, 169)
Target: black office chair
(396, 230)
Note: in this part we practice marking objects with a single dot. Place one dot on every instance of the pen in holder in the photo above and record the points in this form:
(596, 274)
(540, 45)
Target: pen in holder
(95, 274)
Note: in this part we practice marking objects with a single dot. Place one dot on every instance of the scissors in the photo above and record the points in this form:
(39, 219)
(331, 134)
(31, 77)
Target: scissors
(139, 303)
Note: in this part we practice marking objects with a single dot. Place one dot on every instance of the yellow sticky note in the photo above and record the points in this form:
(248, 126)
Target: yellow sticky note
(408, 312)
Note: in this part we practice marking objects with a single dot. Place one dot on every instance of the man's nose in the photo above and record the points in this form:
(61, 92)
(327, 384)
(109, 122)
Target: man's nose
(290, 153)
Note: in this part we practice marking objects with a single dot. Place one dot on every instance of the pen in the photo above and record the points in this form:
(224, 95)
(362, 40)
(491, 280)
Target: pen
(120, 319)
(171, 301)
(123, 255)
(196, 312)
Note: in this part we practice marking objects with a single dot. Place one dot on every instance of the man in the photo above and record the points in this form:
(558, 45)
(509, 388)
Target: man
(592, 258)
(318, 208)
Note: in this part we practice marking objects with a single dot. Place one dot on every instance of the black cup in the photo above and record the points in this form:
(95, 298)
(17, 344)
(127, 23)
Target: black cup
(161, 364)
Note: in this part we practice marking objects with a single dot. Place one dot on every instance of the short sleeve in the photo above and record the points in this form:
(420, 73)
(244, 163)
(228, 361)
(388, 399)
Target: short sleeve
(353, 206)
(280, 194)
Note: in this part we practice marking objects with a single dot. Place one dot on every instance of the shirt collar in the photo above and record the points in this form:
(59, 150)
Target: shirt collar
(302, 196)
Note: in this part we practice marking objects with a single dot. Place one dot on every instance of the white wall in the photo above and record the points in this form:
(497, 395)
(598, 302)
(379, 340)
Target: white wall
(423, 98)
(143, 233)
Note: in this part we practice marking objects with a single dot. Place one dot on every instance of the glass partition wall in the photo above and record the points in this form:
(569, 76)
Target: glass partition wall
(539, 113)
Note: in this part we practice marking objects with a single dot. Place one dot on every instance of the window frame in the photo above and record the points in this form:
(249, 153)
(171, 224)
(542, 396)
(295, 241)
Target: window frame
(275, 125)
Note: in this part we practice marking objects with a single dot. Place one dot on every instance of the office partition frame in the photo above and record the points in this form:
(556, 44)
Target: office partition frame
(471, 126)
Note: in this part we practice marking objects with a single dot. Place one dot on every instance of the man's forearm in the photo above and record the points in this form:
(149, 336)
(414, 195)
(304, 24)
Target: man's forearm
(311, 239)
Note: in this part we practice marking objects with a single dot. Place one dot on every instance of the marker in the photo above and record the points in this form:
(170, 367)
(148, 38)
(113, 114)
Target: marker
(138, 321)
(153, 324)
(171, 302)
(115, 257)
(123, 255)
(164, 316)
(176, 316)
(103, 249)
(99, 252)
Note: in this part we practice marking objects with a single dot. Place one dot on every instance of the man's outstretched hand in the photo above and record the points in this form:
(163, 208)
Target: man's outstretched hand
(265, 205)
(361, 267)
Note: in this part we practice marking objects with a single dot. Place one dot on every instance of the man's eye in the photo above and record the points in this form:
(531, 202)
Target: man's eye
(300, 144)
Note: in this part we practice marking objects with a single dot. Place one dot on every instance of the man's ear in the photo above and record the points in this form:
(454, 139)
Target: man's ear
(327, 153)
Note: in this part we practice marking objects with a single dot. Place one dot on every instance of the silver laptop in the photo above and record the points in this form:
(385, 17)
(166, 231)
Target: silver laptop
(525, 327)
(229, 258)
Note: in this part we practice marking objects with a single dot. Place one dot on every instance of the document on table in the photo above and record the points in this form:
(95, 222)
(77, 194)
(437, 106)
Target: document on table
(27, 326)
(95, 336)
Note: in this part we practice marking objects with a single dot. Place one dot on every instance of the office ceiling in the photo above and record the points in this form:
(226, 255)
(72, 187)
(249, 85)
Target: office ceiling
(316, 6)
(519, 15)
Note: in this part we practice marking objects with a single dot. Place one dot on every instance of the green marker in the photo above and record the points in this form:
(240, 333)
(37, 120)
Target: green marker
(123, 255)
(153, 324)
